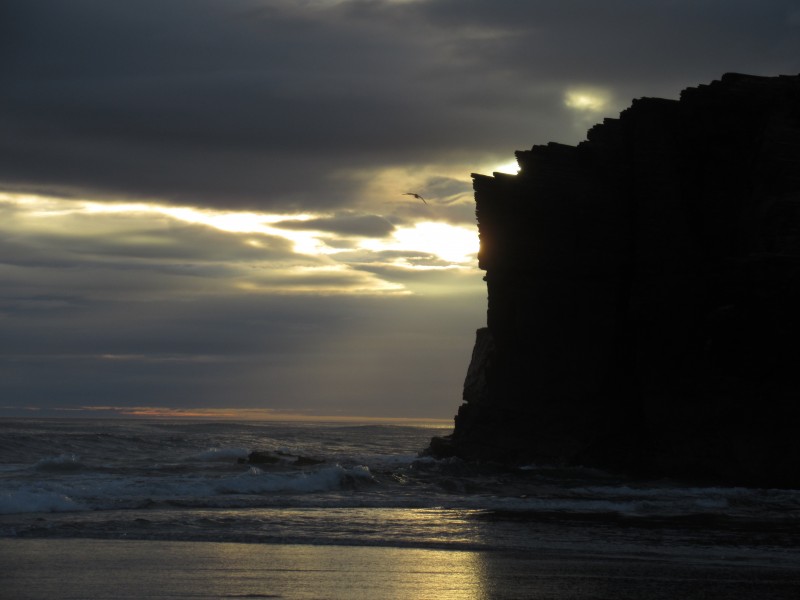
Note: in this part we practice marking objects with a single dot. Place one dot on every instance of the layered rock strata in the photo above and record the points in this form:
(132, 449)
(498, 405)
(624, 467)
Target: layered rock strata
(644, 294)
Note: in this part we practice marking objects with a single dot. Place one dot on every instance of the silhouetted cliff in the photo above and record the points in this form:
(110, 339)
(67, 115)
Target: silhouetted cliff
(644, 294)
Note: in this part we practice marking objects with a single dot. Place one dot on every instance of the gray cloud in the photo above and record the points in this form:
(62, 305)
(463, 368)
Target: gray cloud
(429, 280)
(139, 308)
(246, 103)
(324, 354)
(331, 108)
(152, 248)
(359, 225)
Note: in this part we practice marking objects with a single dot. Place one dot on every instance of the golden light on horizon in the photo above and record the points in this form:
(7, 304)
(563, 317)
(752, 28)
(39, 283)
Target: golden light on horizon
(248, 414)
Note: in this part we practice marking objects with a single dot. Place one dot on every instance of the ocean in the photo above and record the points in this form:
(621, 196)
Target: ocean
(361, 485)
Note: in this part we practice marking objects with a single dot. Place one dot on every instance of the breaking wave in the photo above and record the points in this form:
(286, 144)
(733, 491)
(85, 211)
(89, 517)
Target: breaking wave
(24, 501)
(61, 463)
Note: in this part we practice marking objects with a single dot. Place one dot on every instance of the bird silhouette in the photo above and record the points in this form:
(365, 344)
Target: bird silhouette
(415, 196)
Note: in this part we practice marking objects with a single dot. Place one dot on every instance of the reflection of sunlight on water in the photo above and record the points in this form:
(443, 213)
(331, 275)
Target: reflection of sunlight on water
(88, 568)
(353, 572)
(367, 554)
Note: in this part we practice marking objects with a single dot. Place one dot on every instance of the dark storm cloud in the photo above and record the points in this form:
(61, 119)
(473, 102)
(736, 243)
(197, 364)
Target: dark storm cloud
(617, 40)
(266, 103)
(202, 101)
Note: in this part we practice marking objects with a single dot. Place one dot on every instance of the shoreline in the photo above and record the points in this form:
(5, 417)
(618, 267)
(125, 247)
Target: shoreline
(94, 569)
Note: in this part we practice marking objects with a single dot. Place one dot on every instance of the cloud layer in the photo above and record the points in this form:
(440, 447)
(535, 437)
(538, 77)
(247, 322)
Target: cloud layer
(154, 305)
(267, 104)
(201, 200)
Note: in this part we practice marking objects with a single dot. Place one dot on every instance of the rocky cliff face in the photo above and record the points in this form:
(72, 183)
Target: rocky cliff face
(644, 294)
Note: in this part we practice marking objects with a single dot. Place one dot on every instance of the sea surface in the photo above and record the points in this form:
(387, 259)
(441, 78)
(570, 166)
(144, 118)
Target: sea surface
(361, 485)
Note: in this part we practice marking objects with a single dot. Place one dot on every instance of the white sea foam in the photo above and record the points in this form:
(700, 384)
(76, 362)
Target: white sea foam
(95, 491)
(125, 476)
(388, 461)
(22, 501)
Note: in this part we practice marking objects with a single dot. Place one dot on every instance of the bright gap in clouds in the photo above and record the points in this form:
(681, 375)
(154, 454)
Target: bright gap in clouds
(453, 244)
(450, 246)
(232, 222)
(587, 100)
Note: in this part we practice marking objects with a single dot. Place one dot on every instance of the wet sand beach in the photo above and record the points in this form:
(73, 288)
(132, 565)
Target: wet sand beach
(95, 569)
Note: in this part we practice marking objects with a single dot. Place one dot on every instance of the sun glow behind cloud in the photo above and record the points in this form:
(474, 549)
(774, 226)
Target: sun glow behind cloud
(268, 253)
(453, 244)
(584, 100)
(511, 167)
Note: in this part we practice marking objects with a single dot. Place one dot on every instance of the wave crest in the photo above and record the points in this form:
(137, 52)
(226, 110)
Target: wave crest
(61, 463)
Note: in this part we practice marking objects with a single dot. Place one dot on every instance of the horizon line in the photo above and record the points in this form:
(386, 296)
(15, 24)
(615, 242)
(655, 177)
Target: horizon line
(206, 414)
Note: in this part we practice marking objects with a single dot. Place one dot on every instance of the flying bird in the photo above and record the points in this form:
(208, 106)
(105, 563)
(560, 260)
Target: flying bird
(415, 196)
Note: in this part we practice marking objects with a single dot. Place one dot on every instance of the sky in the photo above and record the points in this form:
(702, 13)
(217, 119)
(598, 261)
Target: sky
(202, 209)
